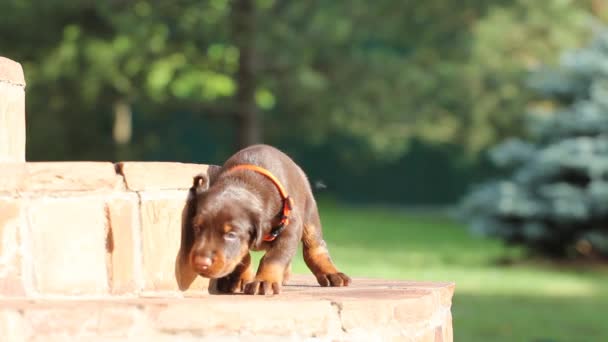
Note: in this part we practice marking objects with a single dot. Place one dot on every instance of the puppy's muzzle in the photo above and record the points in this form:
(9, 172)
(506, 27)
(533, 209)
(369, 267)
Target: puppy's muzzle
(202, 262)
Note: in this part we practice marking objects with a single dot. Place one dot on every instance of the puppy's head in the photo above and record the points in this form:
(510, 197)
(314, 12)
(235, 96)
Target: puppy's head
(225, 223)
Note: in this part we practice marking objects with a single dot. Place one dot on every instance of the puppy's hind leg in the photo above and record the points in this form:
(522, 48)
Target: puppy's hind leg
(316, 254)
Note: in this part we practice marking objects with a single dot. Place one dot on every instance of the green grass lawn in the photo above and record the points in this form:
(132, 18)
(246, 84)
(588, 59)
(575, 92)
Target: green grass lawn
(492, 303)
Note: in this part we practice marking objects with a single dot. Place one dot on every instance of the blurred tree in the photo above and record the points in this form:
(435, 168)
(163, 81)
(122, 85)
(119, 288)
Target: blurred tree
(249, 125)
(379, 75)
(439, 71)
(104, 60)
(507, 44)
(556, 200)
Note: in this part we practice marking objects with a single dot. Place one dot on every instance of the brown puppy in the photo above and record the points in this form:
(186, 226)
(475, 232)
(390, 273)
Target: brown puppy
(259, 200)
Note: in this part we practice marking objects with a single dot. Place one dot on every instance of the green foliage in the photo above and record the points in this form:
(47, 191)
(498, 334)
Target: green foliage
(508, 43)
(440, 71)
(556, 200)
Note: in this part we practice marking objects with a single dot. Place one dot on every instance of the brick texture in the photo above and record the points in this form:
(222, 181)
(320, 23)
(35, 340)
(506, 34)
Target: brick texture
(68, 245)
(160, 175)
(161, 224)
(124, 243)
(78, 219)
(12, 326)
(11, 220)
(303, 312)
(314, 318)
(447, 329)
(12, 112)
(58, 177)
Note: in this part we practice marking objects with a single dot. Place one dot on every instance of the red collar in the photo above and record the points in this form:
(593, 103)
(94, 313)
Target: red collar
(287, 201)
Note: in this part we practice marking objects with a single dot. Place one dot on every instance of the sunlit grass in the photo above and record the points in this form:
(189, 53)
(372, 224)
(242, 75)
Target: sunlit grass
(492, 303)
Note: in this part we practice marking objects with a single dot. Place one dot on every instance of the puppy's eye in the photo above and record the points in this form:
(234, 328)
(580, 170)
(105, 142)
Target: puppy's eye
(230, 236)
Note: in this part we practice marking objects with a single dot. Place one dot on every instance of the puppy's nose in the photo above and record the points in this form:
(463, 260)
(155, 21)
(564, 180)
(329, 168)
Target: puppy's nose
(202, 262)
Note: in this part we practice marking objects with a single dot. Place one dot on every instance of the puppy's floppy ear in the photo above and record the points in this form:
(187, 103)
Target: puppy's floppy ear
(200, 183)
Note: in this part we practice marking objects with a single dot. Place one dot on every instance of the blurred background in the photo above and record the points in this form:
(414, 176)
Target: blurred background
(454, 140)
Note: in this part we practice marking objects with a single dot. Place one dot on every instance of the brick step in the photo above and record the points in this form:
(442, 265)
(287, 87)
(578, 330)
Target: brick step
(370, 310)
(89, 251)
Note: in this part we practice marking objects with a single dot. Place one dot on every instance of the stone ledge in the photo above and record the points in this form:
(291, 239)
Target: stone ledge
(58, 177)
(368, 310)
(140, 176)
(18, 177)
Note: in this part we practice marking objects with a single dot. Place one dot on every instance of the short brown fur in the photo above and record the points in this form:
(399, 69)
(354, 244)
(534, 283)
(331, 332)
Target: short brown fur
(248, 203)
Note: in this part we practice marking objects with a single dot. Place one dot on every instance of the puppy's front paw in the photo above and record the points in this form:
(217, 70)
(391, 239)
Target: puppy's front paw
(229, 284)
(333, 279)
(234, 282)
(262, 287)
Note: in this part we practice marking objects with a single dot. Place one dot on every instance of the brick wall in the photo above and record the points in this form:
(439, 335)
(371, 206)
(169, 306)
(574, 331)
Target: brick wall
(89, 251)
(91, 228)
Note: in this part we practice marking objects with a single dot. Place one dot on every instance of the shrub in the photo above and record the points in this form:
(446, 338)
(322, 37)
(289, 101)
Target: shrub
(555, 200)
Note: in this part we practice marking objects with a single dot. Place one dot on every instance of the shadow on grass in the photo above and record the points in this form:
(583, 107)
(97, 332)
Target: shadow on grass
(527, 318)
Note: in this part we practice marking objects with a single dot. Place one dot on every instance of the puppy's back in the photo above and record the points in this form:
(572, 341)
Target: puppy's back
(274, 160)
